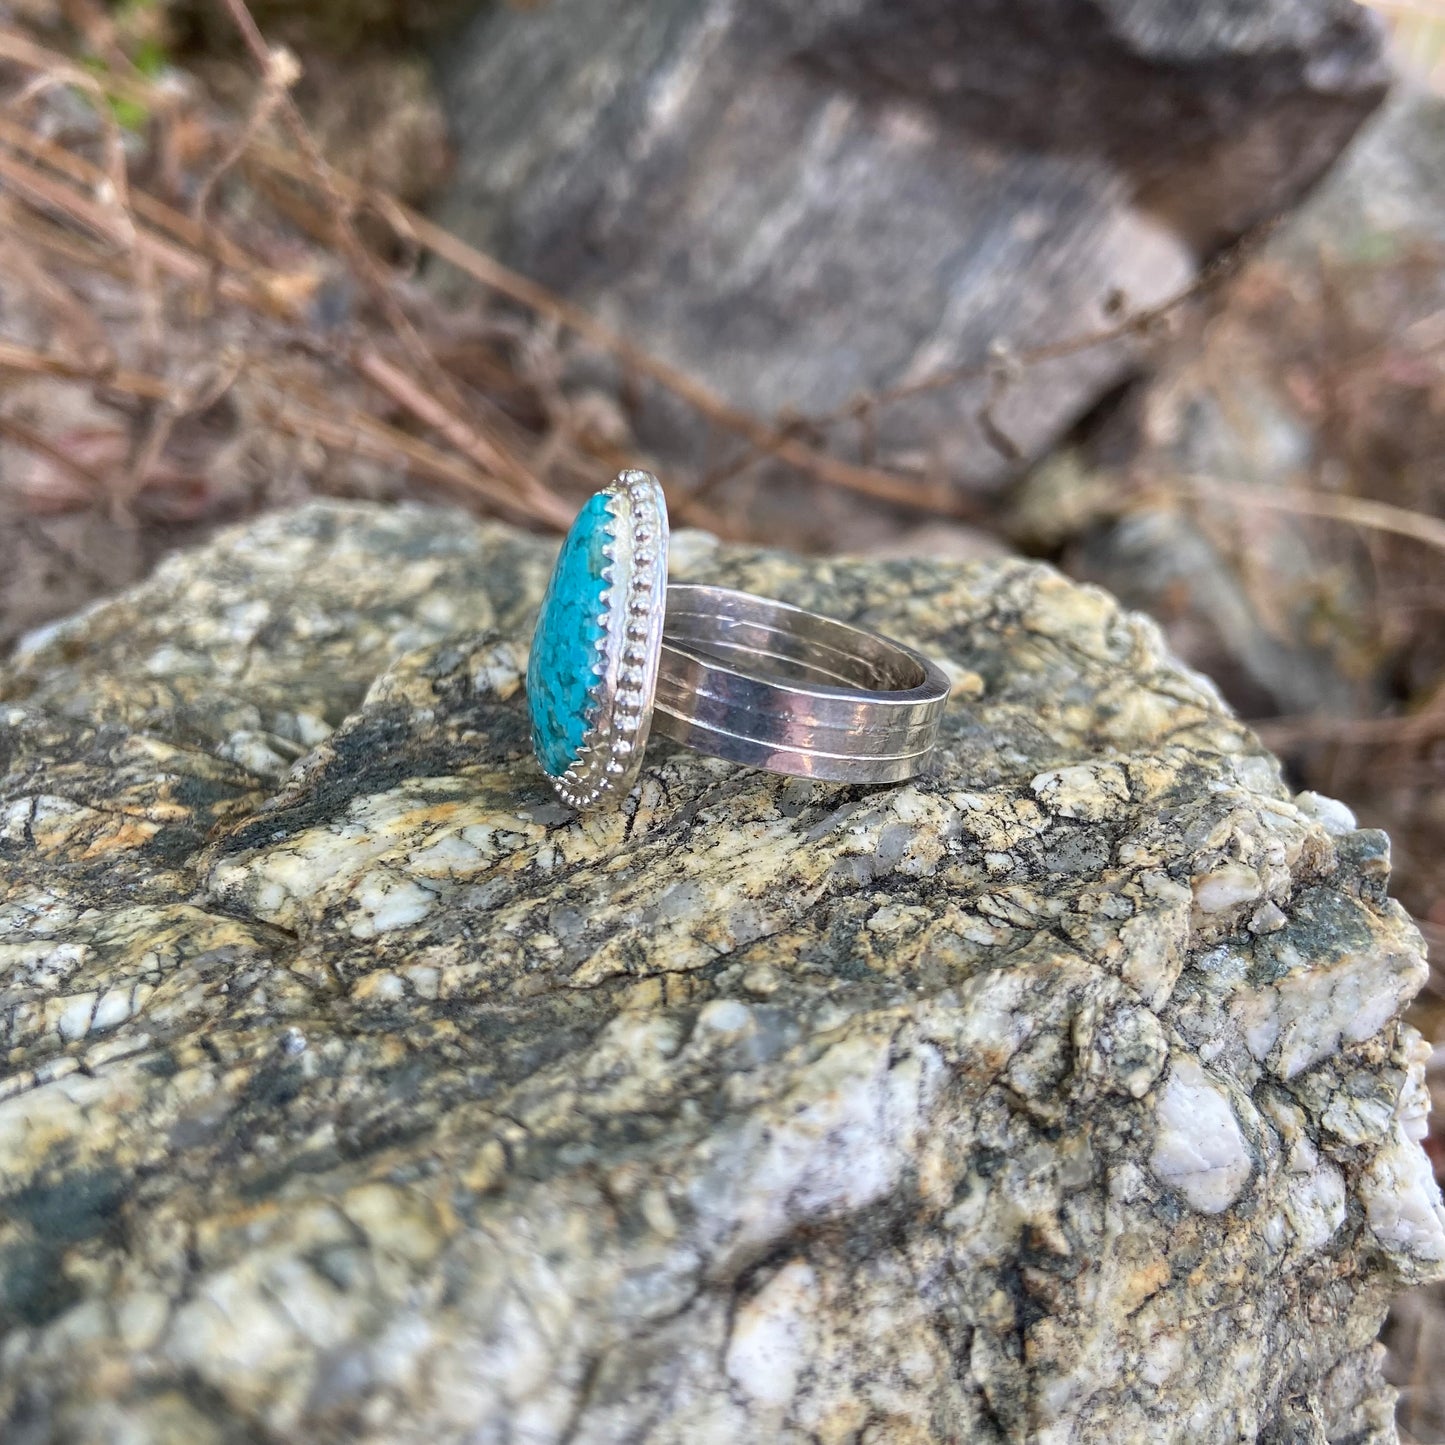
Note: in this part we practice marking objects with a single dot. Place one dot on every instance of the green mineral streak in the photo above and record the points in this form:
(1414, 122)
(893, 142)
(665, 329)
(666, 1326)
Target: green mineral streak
(562, 675)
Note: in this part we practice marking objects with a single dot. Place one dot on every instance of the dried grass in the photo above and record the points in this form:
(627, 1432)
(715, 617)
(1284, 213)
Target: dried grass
(197, 220)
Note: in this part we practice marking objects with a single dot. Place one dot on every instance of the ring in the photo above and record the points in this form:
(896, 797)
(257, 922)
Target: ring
(618, 653)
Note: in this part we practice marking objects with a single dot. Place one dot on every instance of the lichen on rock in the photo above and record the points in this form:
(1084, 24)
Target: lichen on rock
(356, 1090)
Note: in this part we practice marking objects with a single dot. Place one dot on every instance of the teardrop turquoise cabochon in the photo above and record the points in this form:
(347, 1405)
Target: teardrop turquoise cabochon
(562, 674)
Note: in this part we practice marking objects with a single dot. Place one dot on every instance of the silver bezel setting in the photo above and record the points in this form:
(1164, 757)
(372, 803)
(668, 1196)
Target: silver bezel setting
(633, 610)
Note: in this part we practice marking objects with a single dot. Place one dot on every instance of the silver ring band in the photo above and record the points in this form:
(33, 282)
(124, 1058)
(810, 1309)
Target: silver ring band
(743, 678)
(777, 687)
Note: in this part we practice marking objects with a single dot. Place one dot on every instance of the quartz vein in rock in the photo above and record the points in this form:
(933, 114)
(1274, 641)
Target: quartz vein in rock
(1058, 1096)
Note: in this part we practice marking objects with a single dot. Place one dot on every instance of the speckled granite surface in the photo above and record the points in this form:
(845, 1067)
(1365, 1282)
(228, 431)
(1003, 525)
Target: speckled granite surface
(1057, 1097)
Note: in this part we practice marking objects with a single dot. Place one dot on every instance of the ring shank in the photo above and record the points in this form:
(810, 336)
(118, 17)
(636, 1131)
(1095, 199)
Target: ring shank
(773, 686)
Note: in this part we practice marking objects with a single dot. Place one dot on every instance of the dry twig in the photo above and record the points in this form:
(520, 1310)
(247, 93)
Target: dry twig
(763, 438)
(1354, 511)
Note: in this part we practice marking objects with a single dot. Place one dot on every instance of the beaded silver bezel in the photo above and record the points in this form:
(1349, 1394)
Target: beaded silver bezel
(633, 608)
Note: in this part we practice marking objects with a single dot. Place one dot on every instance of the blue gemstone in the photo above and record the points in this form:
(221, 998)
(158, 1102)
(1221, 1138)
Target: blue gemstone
(562, 674)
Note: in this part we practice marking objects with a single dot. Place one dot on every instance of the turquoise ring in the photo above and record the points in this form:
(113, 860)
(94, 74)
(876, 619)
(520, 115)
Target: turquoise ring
(617, 653)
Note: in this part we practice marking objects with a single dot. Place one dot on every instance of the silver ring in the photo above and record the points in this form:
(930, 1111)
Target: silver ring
(617, 652)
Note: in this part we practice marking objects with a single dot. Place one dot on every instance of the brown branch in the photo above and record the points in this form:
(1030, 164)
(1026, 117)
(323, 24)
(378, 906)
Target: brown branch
(765, 438)
(281, 73)
(446, 416)
(115, 195)
(203, 392)
(365, 437)
(1281, 732)
(483, 450)
(46, 191)
(71, 314)
(1134, 324)
(1000, 381)
(55, 70)
(309, 168)
(33, 441)
(1005, 365)
(30, 362)
(43, 190)
(49, 191)
(85, 173)
(1356, 511)
(320, 174)
(360, 434)
(368, 435)
(886, 486)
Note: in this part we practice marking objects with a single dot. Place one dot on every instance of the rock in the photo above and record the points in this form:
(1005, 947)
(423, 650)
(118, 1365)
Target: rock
(799, 203)
(941, 541)
(1318, 371)
(1060, 1095)
(1383, 199)
(1259, 600)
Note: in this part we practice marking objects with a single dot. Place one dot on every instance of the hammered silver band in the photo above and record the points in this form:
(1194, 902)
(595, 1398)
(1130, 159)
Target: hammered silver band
(618, 652)
(774, 686)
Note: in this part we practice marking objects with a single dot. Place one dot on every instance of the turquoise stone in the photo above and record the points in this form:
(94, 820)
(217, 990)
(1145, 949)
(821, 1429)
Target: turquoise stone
(562, 673)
